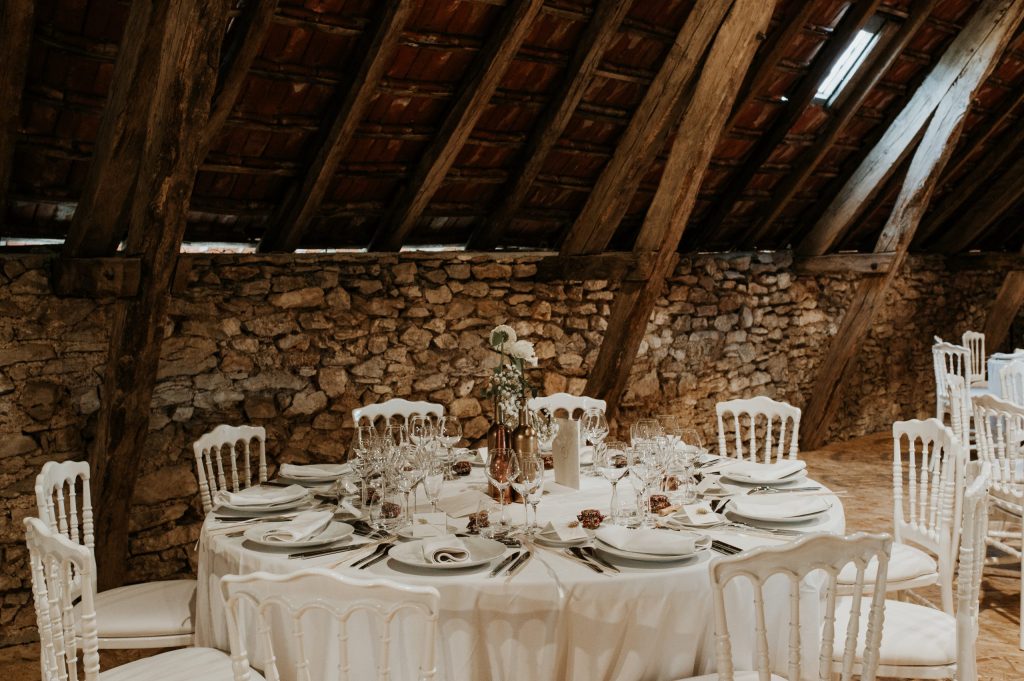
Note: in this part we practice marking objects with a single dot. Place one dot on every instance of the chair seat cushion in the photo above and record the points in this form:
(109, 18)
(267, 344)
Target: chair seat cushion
(906, 563)
(737, 676)
(912, 635)
(186, 664)
(148, 609)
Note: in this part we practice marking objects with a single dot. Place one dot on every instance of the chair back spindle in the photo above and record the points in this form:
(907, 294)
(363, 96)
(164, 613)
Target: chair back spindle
(1011, 382)
(974, 341)
(573, 406)
(234, 443)
(759, 429)
(396, 409)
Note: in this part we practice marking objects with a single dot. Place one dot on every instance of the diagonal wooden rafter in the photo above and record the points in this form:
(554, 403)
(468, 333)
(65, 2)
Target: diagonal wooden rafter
(894, 147)
(850, 103)
(646, 133)
(853, 21)
(599, 34)
(701, 126)
(304, 198)
(16, 29)
(475, 92)
(989, 31)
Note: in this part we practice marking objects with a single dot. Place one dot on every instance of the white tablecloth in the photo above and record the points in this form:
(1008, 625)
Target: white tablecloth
(648, 623)
(996, 363)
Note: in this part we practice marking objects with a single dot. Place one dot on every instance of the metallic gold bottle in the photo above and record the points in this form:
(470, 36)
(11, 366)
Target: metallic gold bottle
(524, 437)
(498, 437)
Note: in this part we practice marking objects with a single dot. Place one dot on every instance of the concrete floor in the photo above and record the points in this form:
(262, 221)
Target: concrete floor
(862, 465)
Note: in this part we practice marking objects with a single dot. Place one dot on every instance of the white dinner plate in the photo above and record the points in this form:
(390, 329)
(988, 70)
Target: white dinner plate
(481, 551)
(333, 471)
(332, 533)
(770, 513)
(798, 477)
(553, 540)
(272, 507)
(700, 545)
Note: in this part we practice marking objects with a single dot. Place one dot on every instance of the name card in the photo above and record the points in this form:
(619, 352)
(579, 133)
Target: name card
(565, 451)
(429, 524)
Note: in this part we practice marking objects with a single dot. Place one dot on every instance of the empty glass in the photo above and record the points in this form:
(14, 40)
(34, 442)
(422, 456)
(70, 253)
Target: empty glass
(421, 429)
(408, 474)
(449, 433)
(529, 483)
(594, 425)
(501, 469)
(546, 425)
(433, 481)
(644, 473)
(644, 430)
(612, 462)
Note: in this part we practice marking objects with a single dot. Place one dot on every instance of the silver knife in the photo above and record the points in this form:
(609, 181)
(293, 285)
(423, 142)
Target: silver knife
(375, 560)
(519, 564)
(590, 553)
(505, 563)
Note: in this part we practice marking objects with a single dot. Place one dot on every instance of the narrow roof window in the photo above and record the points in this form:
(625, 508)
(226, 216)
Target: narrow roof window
(849, 61)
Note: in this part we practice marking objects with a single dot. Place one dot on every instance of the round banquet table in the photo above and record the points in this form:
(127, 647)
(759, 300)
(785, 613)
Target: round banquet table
(556, 619)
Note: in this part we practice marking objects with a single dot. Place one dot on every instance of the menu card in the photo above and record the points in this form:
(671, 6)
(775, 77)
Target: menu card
(565, 451)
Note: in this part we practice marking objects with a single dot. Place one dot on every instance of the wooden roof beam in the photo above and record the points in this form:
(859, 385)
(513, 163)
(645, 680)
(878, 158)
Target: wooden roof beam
(1004, 310)
(303, 198)
(16, 29)
(899, 139)
(475, 92)
(995, 201)
(646, 132)
(989, 32)
(850, 102)
(546, 132)
(702, 123)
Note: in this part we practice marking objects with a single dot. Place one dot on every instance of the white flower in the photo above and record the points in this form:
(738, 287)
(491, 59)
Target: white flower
(522, 349)
(502, 335)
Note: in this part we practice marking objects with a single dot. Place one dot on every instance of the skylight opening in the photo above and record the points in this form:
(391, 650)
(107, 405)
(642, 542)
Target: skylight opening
(846, 66)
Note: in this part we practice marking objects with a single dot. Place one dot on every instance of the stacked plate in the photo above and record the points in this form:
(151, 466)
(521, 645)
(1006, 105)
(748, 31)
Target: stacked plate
(262, 535)
(778, 508)
(314, 473)
(774, 474)
(263, 499)
(480, 551)
(648, 545)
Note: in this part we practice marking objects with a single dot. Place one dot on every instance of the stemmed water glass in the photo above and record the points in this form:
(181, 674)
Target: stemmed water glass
(421, 429)
(529, 483)
(644, 472)
(433, 481)
(449, 432)
(408, 474)
(502, 468)
(595, 425)
(608, 464)
(546, 425)
(644, 430)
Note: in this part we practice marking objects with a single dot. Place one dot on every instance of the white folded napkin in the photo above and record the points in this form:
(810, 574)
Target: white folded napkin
(778, 506)
(350, 509)
(323, 470)
(699, 514)
(646, 540)
(566, 531)
(449, 549)
(749, 471)
(262, 496)
(303, 526)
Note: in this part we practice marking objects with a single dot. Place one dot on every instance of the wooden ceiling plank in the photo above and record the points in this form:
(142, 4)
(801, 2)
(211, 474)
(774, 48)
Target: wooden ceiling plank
(16, 29)
(852, 22)
(996, 201)
(702, 124)
(990, 31)
(646, 133)
(173, 49)
(903, 133)
(850, 103)
(599, 34)
(303, 199)
(475, 92)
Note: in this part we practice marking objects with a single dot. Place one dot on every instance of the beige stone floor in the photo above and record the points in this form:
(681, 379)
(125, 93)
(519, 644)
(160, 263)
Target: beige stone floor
(860, 466)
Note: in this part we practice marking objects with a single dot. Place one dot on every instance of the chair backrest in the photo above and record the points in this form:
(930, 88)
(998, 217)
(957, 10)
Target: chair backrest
(1011, 382)
(572, 405)
(761, 429)
(951, 359)
(55, 562)
(928, 471)
(371, 617)
(974, 341)
(64, 500)
(999, 428)
(972, 561)
(237, 441)
(396, 408)
(795, 561)
(958, 399)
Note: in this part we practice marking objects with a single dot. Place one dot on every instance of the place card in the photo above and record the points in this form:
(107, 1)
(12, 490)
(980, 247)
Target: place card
(429, 524)
(701, 514)
(565, 531)
(565, 451)
(464, 503)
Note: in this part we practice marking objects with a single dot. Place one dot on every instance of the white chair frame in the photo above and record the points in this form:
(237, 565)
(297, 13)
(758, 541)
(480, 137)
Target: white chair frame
(209, 452)
(974, 341)
(258, 596)
(1011, 382)
(572, 405)
(948, 358)
(748, 414)
(396, 408)
(815, 552)
(958, 401)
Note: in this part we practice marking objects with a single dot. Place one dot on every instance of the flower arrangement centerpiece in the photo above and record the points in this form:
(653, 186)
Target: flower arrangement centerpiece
(508, 384)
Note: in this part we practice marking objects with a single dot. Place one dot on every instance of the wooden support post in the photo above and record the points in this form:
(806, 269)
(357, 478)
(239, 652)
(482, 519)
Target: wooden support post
(474, 94)
(16, 29)
(172, 46)
(1004, 310)
(116, 277)
(595, 41)
(702, 124)
(998, 20)
(901, 136)
(304, 197)
(646, 133)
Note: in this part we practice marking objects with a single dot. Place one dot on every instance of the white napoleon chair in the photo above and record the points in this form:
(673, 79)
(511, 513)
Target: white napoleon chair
(920, 642)
(362, 620)
(974, 341)
(68, 632)
(958, 399)
(928, 469)
(147, 615)
(396, 408)
(794, 562)
(572, 405)
(1000, 431)
(1011, 382)
(236, 442)
(761, 429)
(949, 359)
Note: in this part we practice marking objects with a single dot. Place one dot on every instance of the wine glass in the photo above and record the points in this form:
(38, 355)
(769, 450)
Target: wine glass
(546, 425)
(408, 474)
(611, 462)
(365, 437)
(644, 472)
(433, 481)
(502, 468)
(449, 433)
(595, 425)
(529, 483)
(644, 430)
(421, 429)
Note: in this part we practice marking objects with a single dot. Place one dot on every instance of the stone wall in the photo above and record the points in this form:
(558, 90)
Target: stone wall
(295, 344)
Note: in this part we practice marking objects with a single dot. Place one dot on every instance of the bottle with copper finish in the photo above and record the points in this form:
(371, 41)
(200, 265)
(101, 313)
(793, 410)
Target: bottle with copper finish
(498, 438)
(524, 438)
